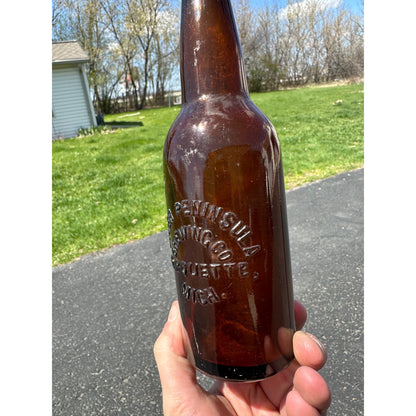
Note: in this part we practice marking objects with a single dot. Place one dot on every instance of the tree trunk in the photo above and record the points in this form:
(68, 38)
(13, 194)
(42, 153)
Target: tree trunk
(146, 79)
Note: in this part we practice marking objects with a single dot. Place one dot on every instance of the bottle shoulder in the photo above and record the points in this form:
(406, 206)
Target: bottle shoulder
(221, 121)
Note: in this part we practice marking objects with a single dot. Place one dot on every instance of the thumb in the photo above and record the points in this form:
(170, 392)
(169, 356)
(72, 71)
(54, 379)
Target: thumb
(177, 374)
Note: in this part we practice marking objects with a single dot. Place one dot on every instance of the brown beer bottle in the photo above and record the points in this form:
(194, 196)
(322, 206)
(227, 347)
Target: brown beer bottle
(226, 208)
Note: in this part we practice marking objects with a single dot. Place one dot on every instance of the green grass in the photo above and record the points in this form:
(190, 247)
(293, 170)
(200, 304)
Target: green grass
(108, 188)
(321, 130)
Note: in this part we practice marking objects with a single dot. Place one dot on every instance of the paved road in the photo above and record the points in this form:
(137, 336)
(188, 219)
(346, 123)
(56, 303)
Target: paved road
(108, 308)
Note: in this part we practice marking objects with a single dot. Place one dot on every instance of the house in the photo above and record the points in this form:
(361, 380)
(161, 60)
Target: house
(72, 107)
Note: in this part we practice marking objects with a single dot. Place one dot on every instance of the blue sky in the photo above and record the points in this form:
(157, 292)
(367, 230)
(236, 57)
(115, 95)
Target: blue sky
(355, 6)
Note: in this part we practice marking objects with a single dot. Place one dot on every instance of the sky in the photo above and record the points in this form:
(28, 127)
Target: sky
(355, 6)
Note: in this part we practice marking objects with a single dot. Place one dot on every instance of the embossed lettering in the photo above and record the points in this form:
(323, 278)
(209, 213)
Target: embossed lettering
(252, 250)
(170, 219)
(212, 295)
(182, 267)
(201, 296)
(229, 268)
(219, 248)
(203, 270)
(203, 208)
(183, 225)
(213, 213)
(186, 290)
(226, 221)
(243, 269)
(178, 207)
(192, 269)
(214, 271)
(240, 233)
(186, 210)
(204, 237)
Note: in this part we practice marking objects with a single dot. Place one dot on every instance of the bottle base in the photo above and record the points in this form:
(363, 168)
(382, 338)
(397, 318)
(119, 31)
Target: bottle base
(241, 373)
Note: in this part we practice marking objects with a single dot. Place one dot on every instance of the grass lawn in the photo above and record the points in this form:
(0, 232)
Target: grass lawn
(108, 188)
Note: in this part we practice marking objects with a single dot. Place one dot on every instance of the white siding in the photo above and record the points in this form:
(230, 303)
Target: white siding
(70, 110)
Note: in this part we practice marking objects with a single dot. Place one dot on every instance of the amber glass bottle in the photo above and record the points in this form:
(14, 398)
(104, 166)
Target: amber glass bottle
(226, 208)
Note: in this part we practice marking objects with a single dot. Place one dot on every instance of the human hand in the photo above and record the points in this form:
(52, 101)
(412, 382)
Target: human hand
(298, 390)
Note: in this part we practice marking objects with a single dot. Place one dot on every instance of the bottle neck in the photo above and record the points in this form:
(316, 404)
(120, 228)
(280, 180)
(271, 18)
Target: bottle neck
(211, 58)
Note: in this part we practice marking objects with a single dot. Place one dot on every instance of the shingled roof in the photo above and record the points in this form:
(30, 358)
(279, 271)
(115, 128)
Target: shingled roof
(68, 52)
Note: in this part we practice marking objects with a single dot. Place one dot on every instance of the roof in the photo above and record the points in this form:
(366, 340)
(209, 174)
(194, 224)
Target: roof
(68, 52)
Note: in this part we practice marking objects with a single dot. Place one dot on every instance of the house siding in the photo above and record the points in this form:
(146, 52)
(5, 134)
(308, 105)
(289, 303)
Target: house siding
(70, 110)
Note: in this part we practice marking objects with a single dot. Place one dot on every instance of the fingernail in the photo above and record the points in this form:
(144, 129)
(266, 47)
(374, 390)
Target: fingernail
(173, 313)
(319, 344)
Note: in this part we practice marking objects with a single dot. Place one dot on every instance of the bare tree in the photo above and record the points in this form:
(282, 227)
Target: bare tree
(142, 20)
(58, 8)
(117, 14)
(302, 42)
(165, 56)
(275, 49)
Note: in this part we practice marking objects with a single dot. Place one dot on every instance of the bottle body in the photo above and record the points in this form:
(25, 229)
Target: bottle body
(229, 241)
(226, 209)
